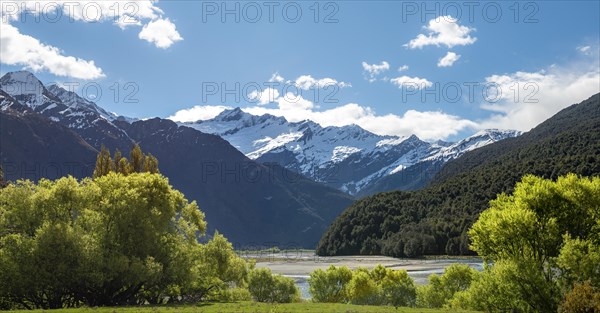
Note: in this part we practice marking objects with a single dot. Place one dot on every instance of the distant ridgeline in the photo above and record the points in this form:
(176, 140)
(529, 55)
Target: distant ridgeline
(435, 220)
(49, 132)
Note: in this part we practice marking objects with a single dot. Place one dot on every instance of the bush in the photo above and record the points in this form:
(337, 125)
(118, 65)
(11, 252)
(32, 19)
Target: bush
(381, 286)
(234, 295)
(584, 298)
(330, 285)
(456, 277)
(266, 287)
(285, 290)
(398, 289)
(507, 286)
(363, 289)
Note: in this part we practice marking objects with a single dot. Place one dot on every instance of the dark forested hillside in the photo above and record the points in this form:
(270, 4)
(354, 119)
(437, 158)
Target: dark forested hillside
(434, 220)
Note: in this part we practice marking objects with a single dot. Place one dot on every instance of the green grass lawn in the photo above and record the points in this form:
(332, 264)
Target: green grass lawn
(253, 307)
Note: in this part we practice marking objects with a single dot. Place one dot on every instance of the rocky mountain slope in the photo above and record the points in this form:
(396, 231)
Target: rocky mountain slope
(348, 158)
(44, 127)
(434, 220)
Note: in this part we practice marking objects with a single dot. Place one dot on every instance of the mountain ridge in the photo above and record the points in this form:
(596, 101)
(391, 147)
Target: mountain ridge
(239, 196)
(348, 158)
(434, 220)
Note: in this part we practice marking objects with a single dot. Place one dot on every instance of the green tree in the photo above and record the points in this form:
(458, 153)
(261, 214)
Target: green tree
(261, 284)
(440, 289)
(285, 290)
(151, 164)
(509, 286)
(3, 182)
(139, 163)
(584, 298)
(528, 234)
(218, 268)
(111, 240)
(266, 287)
(398, 289)
(530, 223)
(136, 158)
(121, 165)
(104, 163)
(579, 261)
(330, 285)
(363, 289)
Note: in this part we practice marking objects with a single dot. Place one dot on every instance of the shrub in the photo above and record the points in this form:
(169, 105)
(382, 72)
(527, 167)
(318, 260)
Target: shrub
(398, 289)
(507, 286)
(456, 277)
(382, 286)
(363, 289)
(584, 298)
(330, 285)
(266, 287)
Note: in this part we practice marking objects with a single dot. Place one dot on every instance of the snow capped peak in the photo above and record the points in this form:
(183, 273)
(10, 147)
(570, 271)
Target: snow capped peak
(20, 77)
(478, 140)
(348, 157)
(496, 134)
(75, 102)
(391, 141)
(235, 114)
(24, 86)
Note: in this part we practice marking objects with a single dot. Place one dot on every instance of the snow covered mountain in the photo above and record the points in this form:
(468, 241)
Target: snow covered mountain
(90, 121)
(49, 132)
(348, 158)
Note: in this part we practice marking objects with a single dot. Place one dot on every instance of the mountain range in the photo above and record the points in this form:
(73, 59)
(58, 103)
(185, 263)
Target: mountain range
(261, 180)
(435, 219)
(348, 158)
(48, 132)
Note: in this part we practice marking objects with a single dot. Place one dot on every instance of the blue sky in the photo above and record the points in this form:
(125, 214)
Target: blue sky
(169, 52)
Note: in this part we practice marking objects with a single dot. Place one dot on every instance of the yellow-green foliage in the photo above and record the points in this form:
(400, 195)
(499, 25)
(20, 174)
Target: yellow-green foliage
(112, 240)
(380, 286)
(330, 285)
(542, 237)
(440, 289)
(266, 287)
(584, 298)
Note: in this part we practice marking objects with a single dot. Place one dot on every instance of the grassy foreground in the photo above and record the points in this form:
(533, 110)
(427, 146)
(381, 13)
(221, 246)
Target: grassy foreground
(254, 307)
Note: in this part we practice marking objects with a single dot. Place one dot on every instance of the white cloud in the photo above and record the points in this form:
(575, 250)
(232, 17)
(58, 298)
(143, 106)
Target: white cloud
(23, 50)
(161, 32)
(539, 94)
(264, 97)
(585, 50)
(291, 102)
(372, 70)
(198, 113)
(276, 78)
(38, 56)
(443, 30)
(403, 68)
(448, 60)
(307, 82)
(407, 81)
(429, 125)
(426, 125)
